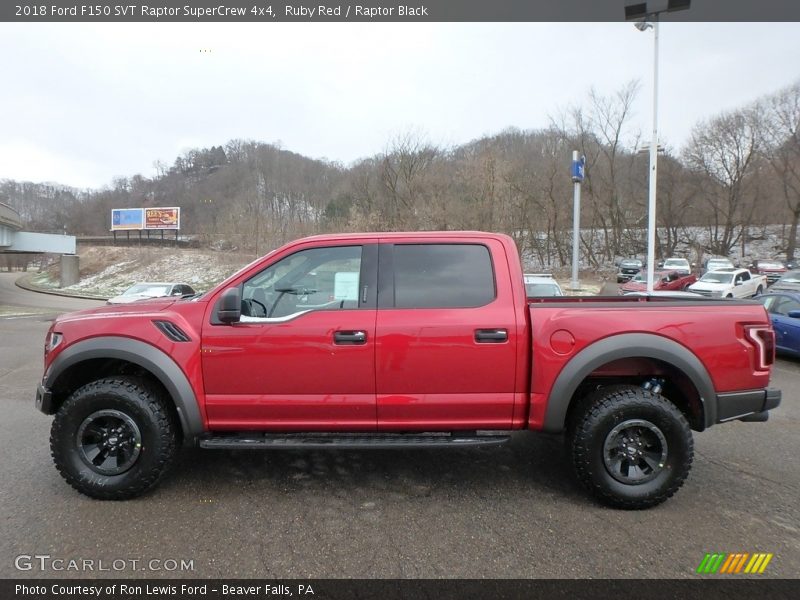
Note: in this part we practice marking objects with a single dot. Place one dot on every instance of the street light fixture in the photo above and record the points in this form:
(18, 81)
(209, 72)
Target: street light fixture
(646, 16)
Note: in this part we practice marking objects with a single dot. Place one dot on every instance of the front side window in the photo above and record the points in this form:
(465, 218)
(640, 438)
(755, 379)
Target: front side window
(442, 276)
(313, 279)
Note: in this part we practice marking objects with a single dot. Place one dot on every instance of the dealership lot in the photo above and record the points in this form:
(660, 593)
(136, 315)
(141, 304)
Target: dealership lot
(510, 511)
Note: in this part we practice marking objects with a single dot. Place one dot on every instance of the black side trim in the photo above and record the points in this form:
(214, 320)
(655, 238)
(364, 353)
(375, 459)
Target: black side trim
(146, 356)
(368, 292)
(735, 405)
(285, 441)
(172, 331)
(386, 276)
(627, 345)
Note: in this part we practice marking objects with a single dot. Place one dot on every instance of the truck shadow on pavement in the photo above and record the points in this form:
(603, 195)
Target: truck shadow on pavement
(530, 463)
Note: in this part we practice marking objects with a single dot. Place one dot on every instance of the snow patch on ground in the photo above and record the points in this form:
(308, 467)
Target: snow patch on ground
(112, 270)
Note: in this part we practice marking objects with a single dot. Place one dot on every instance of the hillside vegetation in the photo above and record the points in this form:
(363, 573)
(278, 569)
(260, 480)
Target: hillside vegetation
(738, 170)
(108, 271)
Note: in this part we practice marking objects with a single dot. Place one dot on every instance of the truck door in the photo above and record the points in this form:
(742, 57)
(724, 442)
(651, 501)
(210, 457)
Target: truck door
(446, 337)
(743, 286)
(302, 358)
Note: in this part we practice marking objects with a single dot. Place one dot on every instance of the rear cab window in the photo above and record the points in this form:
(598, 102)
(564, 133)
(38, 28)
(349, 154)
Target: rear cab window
(455, 275)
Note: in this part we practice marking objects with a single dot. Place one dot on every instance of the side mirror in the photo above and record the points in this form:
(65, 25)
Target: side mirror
(229, 306)
(739, 283)
(794, 314)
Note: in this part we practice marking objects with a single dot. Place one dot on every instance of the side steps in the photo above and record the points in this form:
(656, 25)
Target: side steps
(312, 441)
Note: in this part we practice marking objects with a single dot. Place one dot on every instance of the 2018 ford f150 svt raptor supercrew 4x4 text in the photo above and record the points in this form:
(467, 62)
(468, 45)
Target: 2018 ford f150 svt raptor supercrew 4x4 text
(400, 340)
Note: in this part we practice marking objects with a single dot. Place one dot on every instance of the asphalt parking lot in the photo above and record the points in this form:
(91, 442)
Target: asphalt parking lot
(510, 511)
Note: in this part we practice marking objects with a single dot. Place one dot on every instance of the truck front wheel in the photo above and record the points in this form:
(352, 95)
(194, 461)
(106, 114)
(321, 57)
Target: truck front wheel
(113, 439)
(630, 448)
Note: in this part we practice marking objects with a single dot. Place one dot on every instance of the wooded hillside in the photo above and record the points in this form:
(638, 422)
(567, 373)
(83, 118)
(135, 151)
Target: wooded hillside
(739, 169)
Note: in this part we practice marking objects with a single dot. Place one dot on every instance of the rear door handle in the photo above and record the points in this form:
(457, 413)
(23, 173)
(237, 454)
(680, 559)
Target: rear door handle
(491, 336)
(349, 337)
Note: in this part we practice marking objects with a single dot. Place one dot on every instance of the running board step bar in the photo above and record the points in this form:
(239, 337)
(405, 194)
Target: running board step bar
(311, 441)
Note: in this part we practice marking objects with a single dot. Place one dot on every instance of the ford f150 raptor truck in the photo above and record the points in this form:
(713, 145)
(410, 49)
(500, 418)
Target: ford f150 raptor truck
(400, 340)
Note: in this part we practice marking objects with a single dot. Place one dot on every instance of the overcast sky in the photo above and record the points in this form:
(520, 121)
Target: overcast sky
(83, 103)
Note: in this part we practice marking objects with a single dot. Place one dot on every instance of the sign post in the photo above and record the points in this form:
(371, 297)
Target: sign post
(578, 170)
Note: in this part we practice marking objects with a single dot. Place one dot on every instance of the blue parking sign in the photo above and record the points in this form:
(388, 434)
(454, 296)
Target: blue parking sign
(578, 169)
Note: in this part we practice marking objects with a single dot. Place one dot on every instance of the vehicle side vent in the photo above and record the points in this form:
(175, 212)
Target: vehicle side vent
(172, 331)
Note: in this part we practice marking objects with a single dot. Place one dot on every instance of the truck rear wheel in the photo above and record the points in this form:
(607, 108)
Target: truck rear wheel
(113, 439)
(630, 448)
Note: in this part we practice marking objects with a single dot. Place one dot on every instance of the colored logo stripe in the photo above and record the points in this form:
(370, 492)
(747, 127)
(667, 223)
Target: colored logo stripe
(720, 562)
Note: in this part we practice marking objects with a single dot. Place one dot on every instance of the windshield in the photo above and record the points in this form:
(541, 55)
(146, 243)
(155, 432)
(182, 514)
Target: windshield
(676, 262)
(719, 264)
(766, 264)
(716, 277)
(143, 289)
(631, 263)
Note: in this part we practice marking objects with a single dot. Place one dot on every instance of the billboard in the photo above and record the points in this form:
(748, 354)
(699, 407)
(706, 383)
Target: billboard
(162, 218)
(127, 218)
(145, 218)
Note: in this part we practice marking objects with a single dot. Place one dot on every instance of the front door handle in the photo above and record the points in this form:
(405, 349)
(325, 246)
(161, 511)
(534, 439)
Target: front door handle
(491, 336)
(349, 337)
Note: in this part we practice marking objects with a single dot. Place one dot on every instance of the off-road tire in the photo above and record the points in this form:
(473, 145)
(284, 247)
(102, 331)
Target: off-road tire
(627, 408)
(128, 400)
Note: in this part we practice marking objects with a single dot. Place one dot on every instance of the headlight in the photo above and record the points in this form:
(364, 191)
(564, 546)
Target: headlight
(52, 341)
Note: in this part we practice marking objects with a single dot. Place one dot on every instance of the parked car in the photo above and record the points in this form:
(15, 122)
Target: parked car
(784, 311)
(628, 267)
(541, 284)
(677, 264)
(789, 282)
(730, 283)
(772, 269)
(714, 264)
(428, 341)
(662, 280)
(143, 291)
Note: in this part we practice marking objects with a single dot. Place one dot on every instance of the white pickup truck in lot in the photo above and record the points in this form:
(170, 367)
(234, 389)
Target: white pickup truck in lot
(730, 283)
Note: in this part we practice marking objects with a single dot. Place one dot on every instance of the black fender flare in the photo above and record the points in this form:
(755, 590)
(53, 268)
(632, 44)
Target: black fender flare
(146, 356)
(627, 345)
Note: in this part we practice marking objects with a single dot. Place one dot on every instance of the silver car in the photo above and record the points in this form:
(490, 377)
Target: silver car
(153, 289)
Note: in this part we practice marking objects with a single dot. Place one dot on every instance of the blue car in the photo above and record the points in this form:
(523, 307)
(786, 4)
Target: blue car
(784, 311)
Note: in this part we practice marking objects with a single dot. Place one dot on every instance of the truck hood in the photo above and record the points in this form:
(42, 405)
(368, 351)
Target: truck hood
(111, 310)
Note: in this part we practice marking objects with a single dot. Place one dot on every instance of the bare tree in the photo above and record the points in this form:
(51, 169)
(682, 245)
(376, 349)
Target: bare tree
(782, 149)
(725, 150)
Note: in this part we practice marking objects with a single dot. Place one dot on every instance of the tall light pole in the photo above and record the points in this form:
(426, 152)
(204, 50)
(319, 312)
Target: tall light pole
(646, 16)
(578, 165)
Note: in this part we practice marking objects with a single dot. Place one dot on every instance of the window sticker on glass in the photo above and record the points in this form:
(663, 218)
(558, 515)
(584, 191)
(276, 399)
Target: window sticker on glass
(345, 286)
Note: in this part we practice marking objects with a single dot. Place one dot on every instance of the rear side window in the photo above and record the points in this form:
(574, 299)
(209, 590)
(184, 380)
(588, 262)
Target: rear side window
(442, 276)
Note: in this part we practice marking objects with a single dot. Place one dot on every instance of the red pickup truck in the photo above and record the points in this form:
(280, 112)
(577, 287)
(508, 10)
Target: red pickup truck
(400, 340)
